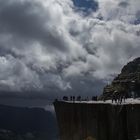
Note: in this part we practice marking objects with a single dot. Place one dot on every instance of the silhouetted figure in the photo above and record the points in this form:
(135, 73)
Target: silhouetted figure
(65, 98)
(114, 96)
(124, 97)
(104, 99)
(73, 98)
(120, 100)
(70, 98)
(118, 96)
(79, 98)
(94, 98)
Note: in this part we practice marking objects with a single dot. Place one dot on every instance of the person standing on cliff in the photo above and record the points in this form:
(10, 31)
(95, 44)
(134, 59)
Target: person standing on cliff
(112, 97)
(124, 97)
(115, 96)
(70, 98)
(73, 98)
(121, 98)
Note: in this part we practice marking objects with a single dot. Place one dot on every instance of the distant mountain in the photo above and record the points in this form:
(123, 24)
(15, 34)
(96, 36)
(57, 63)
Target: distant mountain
(27, 123)
(126, 82)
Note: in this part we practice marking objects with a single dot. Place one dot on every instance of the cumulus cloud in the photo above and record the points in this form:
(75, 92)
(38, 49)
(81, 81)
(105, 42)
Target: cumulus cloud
(49, 47)
(123, 10)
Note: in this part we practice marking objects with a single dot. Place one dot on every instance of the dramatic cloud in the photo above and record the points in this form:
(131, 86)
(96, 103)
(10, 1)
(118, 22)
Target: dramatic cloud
(54, 47)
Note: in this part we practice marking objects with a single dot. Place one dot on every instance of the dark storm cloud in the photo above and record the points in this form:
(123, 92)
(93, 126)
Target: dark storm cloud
(48, 49)
(30, 21)
(123, 4)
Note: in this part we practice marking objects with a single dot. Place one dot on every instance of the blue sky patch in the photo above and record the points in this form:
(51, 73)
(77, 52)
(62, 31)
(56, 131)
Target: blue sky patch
(86, 5)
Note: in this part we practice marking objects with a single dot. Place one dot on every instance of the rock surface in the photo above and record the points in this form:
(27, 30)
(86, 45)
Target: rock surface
(96, 121)
(126, 82)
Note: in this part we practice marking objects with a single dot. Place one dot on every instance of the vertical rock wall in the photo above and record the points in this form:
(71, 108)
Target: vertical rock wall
(82, 121)
(133, 121)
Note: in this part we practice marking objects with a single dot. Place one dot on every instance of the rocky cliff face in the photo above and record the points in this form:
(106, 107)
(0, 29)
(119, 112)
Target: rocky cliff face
(126, 82)
(85, 121)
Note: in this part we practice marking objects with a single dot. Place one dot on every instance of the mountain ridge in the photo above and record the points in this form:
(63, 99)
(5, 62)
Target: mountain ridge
(21, 121)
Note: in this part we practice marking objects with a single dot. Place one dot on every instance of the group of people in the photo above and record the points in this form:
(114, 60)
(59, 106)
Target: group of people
(118, 98)
(79, 98)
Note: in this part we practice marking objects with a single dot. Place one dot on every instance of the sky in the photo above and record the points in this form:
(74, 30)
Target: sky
(64, 47)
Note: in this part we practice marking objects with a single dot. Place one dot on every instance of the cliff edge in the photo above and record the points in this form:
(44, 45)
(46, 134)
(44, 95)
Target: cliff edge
(98, 121)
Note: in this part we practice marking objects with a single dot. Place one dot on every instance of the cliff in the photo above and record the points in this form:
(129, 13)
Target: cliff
(102, 120)
(128, 80)
(98, 121)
